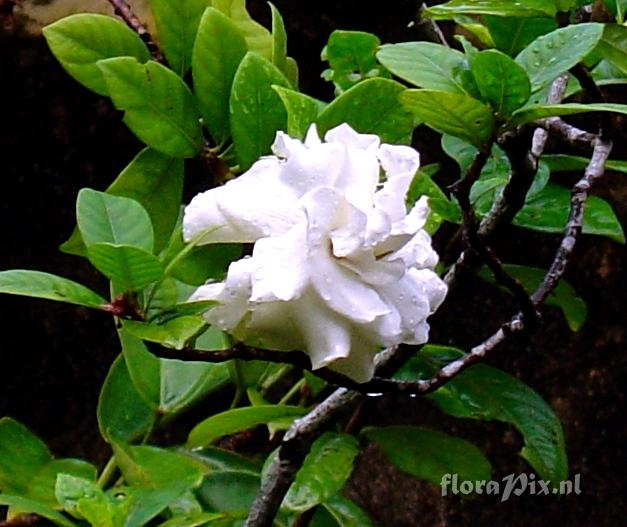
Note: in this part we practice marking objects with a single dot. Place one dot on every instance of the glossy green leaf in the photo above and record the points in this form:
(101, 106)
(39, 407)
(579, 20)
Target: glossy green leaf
(258, 38)
(302, 110)
(174, 333)
(220, 460)
(80, 41)
(563, 296)
(427, 65)
(257, 111)
(342, 512)
(230, 491)
(22, 455)
(326, 468)
(547, 211)
(144, 504)
(122, 412)
(371, 107)
(219, 49)
(31, 506)
(200, 519)
(158, 106)
(352, 58)
(428, 454)
(555, 53)
(483, 392)
(177, 24)
(502, 8)
(238, 419)
(613, 46)
(451, 113)
(279, 40)
(564, 162)
(501, 81)
(512, 34)
(41, 486)
(533, 113)
(51, 287)
(103, 218)
(168, 385)
(86, 500)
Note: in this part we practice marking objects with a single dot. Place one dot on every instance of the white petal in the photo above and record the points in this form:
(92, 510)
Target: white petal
(207, 292)
(271, 325)
(371, 270)
(280, 265)
(284, 146)
(313, 167)
(434, 288)
(359, 176)
(359, 365)
(348, 137)
(312, 138)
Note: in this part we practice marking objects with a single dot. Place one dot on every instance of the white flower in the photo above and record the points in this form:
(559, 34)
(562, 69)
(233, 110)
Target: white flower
(339, 269)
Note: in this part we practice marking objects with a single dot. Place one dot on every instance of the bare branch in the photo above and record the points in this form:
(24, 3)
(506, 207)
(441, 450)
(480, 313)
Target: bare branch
(123, 10)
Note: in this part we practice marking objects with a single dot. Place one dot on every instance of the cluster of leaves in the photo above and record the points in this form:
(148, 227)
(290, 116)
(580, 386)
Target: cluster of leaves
(228, 86)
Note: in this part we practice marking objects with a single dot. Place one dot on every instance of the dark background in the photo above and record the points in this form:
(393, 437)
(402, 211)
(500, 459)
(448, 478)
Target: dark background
(55, 138)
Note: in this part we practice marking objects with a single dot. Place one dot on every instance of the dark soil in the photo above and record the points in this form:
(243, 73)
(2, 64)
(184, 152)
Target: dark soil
(56, 138)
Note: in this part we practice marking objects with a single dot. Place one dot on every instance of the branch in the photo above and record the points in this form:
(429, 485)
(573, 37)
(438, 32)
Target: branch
(123, 10)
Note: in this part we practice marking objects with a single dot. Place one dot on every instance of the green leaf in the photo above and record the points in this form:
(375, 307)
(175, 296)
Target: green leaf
(156, 182)
(258, 38)
(41, 486)
(429, 455)
(451, 113)
(169, 386)
(219, 49)
(86, 500)
(564, 162)
(230, 491)
(22, 455)
(129, 268)
(257, 111)
(177, 24)
(220, 460)
(279, 40)
(302, 110)
(547, 211)
(237, 419)
(145, 504)
(563, 296)
(199, 519)
(175, 333)
(103, 218)
(326, 468)
(555, 53)
(512, 35)
(341, 512)
(502, 8)
(371, 107)
(31, 506)
(352, 58)
(158, 106)
(122, 413)
(501, 81)
(427, 65)
(613, 46)
(533, 113)
(80, 41)
(51, 287)
(483, 392)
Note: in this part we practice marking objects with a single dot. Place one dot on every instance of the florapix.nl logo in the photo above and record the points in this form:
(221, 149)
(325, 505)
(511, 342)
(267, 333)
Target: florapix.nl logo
(512, 484)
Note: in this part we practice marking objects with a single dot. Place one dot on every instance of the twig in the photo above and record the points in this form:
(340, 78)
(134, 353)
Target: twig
(122, 9)
(568, 133)
(432, 25)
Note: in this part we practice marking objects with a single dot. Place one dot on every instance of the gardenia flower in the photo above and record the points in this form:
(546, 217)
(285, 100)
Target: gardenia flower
(339, 269)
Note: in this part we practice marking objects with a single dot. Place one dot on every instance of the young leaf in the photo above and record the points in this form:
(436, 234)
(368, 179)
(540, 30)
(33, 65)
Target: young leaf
(257, 111)
(169, 386)
(26, 505)
(551, 55)
(174, 333)
(41, 486)
(129, 268)
(177, 24)
(279, 40)
(122, 413)
(482, 392)
(351, 55)
(219, 49)
(237, 419)
(158, 106)
(326, 468)
(533, 113)
(258, 38)
(104, 218)
(80, 41)
(501, 81)
(502, 8)
(302, 110)
(451, 113)
(429, 455)
(84, 499)
(51, 287)
(512, 35)
(371, 107)
(427, 65)
(563, 296)
(341, 512)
